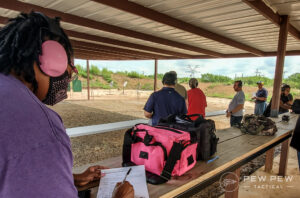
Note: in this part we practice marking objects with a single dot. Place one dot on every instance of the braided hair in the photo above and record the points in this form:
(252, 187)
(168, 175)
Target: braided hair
(21, 44)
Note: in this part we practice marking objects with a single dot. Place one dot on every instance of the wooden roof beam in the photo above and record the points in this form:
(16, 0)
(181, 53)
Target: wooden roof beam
(4, 20)
(90, 54)
(148, 13)
(243, 55)
(275, 18)
(87, 55)
(73, 19)
(103, 53)
(124, 44)
(115, 49)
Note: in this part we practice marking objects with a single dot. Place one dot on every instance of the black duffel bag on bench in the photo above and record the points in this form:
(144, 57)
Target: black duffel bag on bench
(201, 130)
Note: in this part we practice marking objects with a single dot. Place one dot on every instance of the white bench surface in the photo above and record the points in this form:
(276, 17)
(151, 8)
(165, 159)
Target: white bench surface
(102, 128)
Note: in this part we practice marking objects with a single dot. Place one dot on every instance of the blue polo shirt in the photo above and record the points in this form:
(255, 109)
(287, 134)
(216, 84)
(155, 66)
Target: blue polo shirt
(261, 93)
(164, 103)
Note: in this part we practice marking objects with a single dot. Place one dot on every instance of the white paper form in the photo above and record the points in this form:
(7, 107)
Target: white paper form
(137, 178)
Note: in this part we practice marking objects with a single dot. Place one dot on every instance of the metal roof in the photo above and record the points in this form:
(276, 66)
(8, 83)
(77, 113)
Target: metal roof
(168, 29)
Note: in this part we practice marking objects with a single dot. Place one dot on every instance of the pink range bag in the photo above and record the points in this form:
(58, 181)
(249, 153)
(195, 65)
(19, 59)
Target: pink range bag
(164, 151)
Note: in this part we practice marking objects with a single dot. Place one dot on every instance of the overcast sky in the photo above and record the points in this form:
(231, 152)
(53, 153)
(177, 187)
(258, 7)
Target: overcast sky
(228, 67)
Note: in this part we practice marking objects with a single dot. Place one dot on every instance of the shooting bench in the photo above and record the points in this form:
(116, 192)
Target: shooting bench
(234, 150)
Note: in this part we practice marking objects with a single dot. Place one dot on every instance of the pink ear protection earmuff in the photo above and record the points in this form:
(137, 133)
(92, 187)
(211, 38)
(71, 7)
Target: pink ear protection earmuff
(54, 59)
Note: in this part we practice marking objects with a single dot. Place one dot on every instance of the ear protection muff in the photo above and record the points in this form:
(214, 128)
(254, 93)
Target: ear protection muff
(54, 59)
(240, 84)
(284, 87)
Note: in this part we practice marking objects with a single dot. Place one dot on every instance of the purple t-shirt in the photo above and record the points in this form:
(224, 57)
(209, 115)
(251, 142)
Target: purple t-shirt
(35, 152)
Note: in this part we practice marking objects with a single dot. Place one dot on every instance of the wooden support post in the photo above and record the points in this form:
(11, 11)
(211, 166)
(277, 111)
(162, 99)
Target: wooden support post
(155, 75)
(284, 157)
(282, 40)
(269, 160)
(232, 189)
(88, 78)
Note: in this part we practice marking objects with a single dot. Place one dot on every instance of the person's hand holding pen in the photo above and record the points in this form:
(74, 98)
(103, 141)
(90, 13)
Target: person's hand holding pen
(123, 189)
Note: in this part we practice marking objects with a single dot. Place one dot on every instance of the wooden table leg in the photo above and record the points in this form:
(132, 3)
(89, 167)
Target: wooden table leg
(269, 160)
(284, 157)
(232, 189)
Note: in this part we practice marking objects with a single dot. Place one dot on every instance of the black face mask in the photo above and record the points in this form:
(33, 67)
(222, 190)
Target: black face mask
(57, 89)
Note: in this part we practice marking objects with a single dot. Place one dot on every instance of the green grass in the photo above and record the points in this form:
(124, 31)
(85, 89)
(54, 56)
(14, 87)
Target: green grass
(220, 95)
(147, 86)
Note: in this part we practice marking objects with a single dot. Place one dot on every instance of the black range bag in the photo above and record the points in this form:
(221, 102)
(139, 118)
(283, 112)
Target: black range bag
(296, 106)
(201, 131)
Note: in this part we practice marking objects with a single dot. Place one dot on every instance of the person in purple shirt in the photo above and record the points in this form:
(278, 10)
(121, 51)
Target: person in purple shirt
(166, 101)
(35, 151)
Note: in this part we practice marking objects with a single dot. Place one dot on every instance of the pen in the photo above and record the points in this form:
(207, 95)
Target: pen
(126, 175)
(213, 159)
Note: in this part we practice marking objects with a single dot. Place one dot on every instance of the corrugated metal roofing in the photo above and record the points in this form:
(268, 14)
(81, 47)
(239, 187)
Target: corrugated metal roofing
(233, 19)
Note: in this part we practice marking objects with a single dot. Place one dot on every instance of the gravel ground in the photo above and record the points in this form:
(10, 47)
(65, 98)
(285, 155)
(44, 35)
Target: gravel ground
(215, 190)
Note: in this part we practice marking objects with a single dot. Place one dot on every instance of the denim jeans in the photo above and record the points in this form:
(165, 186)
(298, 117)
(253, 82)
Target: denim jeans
(235, 120)
(260, 108)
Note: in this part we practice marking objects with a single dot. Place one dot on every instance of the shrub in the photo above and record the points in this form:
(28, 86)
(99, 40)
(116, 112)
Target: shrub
(106, 74)
(134, 74)
(81, 71)
(95, 70)
(215, 78)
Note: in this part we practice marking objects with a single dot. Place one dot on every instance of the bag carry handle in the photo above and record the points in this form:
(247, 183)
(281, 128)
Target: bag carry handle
(147, 139)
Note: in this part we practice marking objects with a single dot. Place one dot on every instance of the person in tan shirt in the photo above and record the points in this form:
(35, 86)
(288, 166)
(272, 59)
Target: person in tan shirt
(181, 90)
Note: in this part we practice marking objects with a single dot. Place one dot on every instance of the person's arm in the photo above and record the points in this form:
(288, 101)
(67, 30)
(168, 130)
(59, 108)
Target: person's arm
(290, 102)
(147, 114)
(149, 107)
(261, 98)
(286, 106)
(236, 109)
(187, 103)
(93, 173)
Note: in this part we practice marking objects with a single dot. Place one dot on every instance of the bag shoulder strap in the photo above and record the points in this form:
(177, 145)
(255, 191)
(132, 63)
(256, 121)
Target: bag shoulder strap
(174, 155)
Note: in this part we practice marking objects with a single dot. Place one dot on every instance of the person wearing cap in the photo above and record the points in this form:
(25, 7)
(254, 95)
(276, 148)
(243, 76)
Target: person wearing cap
(260, 99)
(181, 90)
(197, 99)
(166, 101)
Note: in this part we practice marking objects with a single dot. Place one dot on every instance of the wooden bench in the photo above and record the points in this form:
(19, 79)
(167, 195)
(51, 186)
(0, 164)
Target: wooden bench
(234, 150)
(103, 128)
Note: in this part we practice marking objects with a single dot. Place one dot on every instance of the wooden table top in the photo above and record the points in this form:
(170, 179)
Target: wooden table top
(233, 147)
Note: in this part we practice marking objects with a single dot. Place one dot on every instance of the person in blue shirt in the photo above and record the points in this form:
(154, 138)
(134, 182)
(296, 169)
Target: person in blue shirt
(165, 101)
(260, 99)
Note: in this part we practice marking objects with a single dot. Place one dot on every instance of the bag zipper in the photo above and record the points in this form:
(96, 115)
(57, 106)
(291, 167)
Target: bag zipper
(169, 129)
